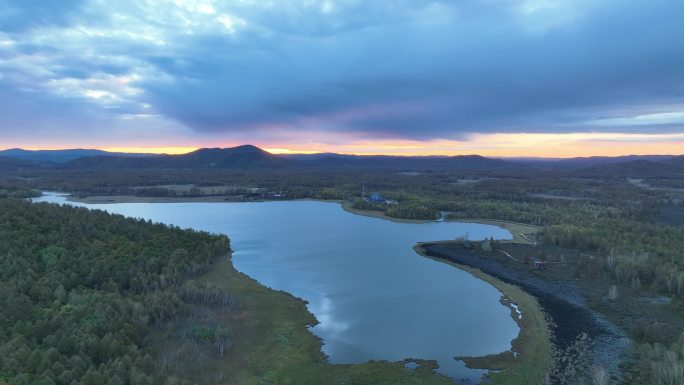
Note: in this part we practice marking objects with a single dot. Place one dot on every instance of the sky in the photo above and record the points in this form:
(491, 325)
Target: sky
(552, 78)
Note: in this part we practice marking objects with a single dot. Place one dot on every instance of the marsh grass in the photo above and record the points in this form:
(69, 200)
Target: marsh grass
(271, 344)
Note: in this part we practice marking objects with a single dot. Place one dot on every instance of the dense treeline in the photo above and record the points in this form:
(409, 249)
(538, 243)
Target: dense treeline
(661, 364)
(81, 291)
(405, 210)
(16, 192)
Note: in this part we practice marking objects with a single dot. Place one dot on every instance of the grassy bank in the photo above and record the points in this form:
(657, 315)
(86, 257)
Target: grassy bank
(272, 344)
(348, 207)
(523, 234)
(533, 344)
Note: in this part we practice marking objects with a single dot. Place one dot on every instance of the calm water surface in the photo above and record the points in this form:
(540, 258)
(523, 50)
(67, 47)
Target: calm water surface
(374, 297)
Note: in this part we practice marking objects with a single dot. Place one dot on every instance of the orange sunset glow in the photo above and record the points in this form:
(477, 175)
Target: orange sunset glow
(528, 79)
(494, 145)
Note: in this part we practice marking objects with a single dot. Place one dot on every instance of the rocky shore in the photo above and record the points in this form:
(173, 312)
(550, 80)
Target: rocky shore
(565, 303)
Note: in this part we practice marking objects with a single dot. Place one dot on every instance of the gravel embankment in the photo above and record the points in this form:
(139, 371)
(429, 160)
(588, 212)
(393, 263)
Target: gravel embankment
(563, 301)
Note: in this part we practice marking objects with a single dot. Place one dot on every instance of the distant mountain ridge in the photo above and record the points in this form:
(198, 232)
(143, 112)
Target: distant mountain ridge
(252, 157)
(60, 156)
(244, 157)
(341, 161)
(249, 157)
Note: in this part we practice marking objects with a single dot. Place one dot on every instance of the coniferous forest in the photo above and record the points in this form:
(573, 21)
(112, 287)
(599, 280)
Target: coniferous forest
(83, 290)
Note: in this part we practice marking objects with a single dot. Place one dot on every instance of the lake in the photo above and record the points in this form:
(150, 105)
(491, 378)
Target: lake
(375, 298)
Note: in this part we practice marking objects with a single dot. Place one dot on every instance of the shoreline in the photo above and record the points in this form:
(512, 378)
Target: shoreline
(533, 343)
(380, 215)
(531, 324)
(518, 231)
(562, 300)
(273, 339)
(114, 199)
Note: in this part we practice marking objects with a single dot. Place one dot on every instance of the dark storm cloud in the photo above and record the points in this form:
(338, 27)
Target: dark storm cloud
(409, 69)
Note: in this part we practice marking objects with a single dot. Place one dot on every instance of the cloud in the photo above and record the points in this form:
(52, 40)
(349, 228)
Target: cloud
(412, 69)
(20, 16)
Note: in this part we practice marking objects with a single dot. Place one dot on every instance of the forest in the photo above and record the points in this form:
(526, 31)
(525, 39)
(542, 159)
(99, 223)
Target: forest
(638, 225)
(633, 229)
(82, 292)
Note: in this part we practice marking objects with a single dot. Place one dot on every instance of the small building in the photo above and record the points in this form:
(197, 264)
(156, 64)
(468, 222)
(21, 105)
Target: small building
(376, 198)
(540, 265)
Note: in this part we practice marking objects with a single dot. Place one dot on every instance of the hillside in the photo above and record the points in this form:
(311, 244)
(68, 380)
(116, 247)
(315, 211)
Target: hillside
(241, 157)
(340, 161)
(60, 156)
(12, 164)
(82, 292)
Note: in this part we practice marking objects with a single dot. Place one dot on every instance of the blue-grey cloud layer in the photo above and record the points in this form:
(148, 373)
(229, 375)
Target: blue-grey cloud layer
(402, 68)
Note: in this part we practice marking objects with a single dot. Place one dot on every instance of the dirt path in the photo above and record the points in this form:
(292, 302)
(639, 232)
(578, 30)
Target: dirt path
(509, 256)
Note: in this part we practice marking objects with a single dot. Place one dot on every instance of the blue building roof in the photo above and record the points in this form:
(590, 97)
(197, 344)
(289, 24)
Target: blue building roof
(375, 197)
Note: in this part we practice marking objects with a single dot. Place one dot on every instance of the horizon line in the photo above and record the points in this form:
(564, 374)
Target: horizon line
(173, 150)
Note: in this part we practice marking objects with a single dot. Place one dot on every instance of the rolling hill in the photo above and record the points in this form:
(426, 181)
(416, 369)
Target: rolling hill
(11, 164)
(251, 157)
(60, 156)
(241, 157)
(340, 161)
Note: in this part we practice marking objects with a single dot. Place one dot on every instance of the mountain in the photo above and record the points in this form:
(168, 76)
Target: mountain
(60, 156)
(246, 156)
(340, 161)
(241, 157)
